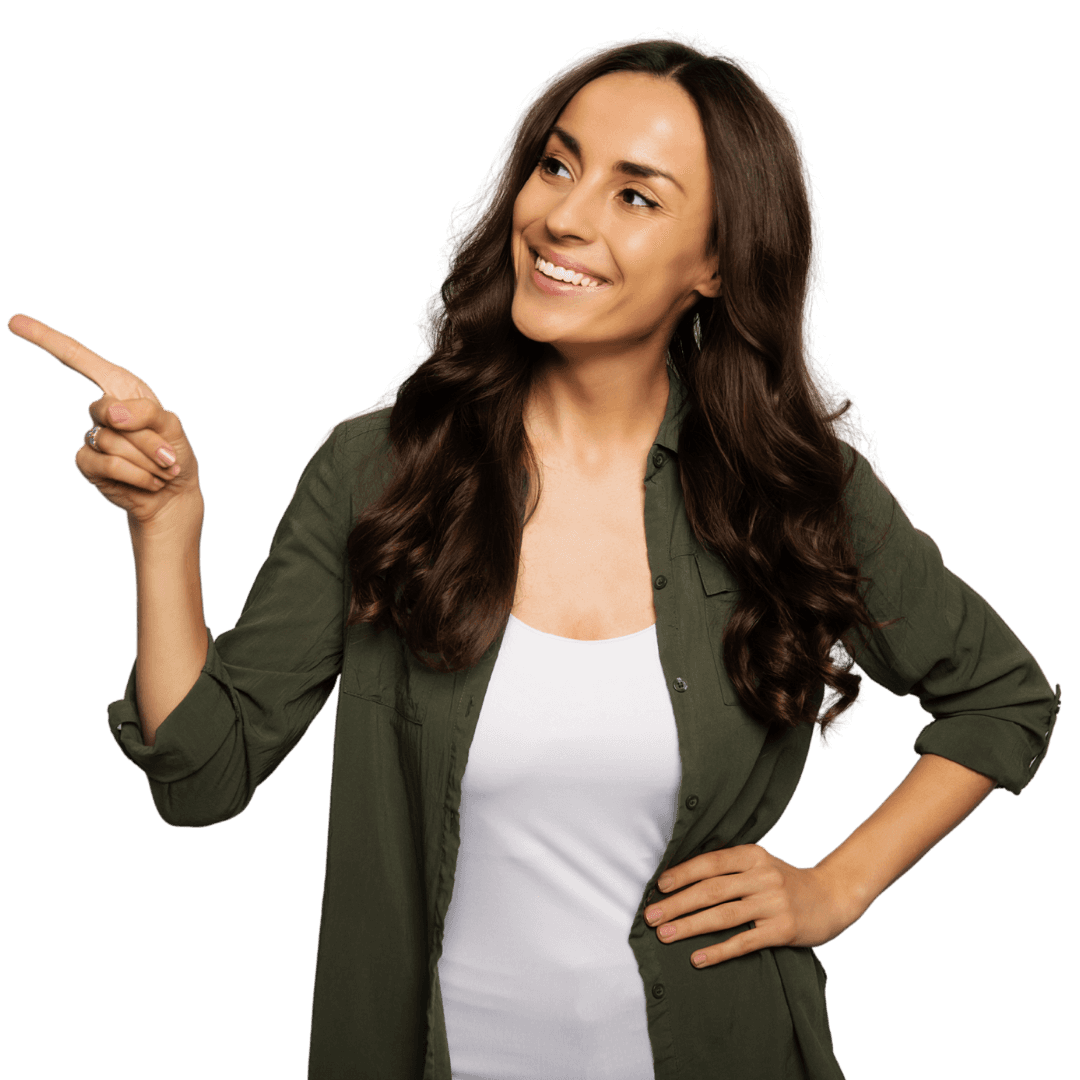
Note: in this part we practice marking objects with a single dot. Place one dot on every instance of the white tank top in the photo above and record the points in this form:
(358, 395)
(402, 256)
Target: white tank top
(567, 805)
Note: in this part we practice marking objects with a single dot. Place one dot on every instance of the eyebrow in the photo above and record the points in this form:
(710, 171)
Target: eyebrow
(630, 168)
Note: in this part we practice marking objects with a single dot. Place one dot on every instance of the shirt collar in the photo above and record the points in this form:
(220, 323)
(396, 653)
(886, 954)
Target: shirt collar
(668, 435)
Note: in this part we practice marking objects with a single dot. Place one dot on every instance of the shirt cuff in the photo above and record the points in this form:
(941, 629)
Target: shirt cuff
(190, 735)
(1000, 749)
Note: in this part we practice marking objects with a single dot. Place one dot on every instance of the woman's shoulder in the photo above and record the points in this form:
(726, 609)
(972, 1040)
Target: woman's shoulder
(354, 454)
(876, 514)
(867, 482)
(365, 430)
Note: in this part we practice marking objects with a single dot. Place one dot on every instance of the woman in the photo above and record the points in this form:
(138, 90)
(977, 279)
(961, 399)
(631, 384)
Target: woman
(573, 701)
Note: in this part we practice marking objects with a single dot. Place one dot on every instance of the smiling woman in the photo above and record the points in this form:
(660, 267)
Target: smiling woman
(647, 227)
(586, 585)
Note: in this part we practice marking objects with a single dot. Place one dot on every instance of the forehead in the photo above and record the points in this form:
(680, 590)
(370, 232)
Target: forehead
(631, 116)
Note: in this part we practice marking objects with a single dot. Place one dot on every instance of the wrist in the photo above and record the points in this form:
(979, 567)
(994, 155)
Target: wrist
(178, 523)
(849, 895)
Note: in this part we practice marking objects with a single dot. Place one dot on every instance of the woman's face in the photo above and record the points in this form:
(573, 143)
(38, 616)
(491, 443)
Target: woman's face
(599, 203)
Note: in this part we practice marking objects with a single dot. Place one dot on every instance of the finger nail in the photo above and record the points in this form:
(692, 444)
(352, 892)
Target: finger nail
(118, 413)
(165, 455)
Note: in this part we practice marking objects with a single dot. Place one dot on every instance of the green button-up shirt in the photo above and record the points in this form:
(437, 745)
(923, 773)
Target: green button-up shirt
(402, 742)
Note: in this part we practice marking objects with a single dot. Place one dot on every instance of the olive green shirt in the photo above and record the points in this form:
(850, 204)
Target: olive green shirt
(402, 742)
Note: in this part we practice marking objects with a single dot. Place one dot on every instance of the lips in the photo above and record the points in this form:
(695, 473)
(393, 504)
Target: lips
(568, 264)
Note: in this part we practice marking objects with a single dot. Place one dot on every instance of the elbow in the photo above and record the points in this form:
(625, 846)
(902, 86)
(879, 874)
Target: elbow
(192, 804)
(184, 813)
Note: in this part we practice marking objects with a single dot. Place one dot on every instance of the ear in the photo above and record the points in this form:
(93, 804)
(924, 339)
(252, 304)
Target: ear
(710, 287)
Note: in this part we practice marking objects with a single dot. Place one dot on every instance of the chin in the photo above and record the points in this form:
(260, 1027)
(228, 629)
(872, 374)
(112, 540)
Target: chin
(532, 326)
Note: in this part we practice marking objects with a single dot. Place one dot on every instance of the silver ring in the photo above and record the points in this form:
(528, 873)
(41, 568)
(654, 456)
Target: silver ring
(90, 438)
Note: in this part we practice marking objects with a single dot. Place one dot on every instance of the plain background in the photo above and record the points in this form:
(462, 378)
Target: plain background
(249, 205)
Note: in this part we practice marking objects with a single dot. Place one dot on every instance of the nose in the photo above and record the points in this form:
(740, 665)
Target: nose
(576, 214)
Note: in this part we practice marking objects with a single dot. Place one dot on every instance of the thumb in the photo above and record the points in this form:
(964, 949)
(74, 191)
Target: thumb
(135, 414)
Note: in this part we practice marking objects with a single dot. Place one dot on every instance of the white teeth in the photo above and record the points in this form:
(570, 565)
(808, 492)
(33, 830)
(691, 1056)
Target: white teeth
(560, 273)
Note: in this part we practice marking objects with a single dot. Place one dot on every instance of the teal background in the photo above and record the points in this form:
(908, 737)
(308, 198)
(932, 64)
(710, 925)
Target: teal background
(249, 205)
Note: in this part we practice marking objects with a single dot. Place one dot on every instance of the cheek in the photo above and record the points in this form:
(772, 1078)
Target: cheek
(518, 223)
(522, 207)
(648, 260)
(660, 272)
(531, 203)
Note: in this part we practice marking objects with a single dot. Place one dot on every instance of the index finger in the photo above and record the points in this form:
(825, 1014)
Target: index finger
(109, 377)
(708, 864)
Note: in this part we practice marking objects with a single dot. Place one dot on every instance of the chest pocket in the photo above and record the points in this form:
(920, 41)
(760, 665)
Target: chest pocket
(379, 667)
(721, 593)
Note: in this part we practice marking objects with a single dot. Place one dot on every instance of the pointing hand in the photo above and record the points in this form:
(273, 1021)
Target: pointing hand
(142, 461)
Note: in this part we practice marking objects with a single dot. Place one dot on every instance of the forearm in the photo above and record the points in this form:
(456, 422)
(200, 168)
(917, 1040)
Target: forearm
(172, 640)
(930, 802)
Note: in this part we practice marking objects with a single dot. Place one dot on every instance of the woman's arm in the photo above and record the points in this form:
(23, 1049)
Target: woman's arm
(930, 802)
(172, 641)
(263, 682)
(790, 905)
(993, 712)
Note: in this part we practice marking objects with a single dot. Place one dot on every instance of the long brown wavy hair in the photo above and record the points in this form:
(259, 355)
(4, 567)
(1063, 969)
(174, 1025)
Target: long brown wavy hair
(435, 556)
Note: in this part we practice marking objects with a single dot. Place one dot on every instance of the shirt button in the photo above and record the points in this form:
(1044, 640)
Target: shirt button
(658, 990)
(691, 802)
(680, 685)
(119, 726)
(660, 581)
(658, 459)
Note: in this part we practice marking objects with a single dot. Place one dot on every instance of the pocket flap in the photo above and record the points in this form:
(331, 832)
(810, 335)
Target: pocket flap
(715, 575)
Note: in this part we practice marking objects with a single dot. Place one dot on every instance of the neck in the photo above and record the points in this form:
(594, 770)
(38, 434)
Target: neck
(597, 408)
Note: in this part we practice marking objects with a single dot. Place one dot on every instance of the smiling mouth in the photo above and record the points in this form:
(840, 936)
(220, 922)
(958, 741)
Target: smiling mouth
(561, 274)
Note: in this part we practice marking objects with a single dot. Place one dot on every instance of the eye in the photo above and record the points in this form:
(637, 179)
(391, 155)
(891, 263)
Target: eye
(551, 165)
(644, 200)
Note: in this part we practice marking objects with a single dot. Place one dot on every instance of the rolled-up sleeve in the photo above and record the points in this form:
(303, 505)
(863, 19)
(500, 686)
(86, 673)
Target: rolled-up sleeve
(993, 709)
(265, 680)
